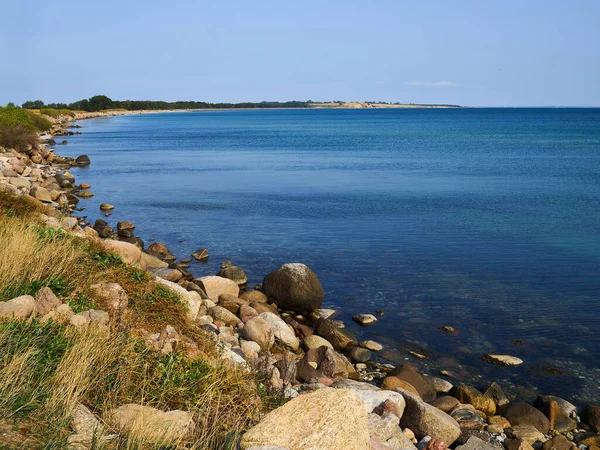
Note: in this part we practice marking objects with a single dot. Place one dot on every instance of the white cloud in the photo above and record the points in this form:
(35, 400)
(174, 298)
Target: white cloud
(431, 83)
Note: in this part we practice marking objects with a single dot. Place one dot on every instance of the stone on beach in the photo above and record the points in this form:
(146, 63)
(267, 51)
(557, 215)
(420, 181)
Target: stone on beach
(426, 420)
(129, 253)
(324, 419)
(294, 287)
(112, 294)
(524, 414)
(340, 339)
(254, 296)
(364, 319)
(191, 298)
(45, 301)
(19, 308)
(234, 273)
(215, 286)
(314, 341)
(373, 397)
(408, 373)
(258, 330)
(282, 331)
(106, 207)
(372, 345)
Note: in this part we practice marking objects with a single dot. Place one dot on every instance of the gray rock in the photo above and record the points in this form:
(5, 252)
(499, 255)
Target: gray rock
(19, 308)
(357, 354)
(223, 315)
(258, 330)
(371, 396)
(283, 333)
(525, 414)
(340, 339)
(474, 443)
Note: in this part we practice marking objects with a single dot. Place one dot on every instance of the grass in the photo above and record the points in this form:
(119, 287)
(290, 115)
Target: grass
(55, 113)
(46, 369)
(19, 127)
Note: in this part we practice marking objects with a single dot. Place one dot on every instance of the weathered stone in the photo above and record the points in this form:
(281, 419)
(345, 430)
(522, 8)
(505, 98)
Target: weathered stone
(191, 298)
(314, 341)
(263, 307)
(247, 312)
(392, 382)
(258, 330)
(499, 421)
(559, 421)
(427, 420)
(324, 419)
(470, 395)
(474, 443)
(440, 385)
(85, 423)
(82, 160)
(558, 442)
(41, 194)
(106, 207)
(158, 426)
(340, 339)
(467, 418)
(502, 360)
(517, 444)
(45, 301)
(408, 373)
(160, 251)
(526, 433)
(216, 286)
(223, 315)
(364, 319)
(372, 397)
(384, 427)
(129, 253)
(294, 287)
(112, 294)
(525, 414)
(231, 302)
(446, 403)
(592, 417)
(323, 361)
(357, 354)
(567, 407)
(20, 183)
(496, 393)
(200, 254)
(372, 345)
(18, 308)
(283, 333)
(172, 275)
(254, 296)
(235, 274)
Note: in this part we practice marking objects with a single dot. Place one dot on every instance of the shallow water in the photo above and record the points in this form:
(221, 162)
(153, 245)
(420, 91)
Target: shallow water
(484, 219)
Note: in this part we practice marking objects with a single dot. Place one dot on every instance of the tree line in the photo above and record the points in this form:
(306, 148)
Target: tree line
(102, 102)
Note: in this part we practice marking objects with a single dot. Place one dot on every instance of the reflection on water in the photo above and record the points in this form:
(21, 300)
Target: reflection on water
(482, 219)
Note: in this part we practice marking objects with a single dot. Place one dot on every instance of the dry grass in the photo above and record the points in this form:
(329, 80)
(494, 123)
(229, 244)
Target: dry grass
(47, 369)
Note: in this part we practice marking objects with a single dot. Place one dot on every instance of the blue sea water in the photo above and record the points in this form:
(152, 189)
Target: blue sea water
(487, 220)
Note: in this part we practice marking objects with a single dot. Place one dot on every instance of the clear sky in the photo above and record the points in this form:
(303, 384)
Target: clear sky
(492, 53)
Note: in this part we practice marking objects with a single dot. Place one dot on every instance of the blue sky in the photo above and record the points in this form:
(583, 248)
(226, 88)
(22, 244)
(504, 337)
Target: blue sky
(477, 53)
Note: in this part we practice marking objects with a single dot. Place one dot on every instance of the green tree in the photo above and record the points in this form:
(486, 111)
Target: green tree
(33, 104)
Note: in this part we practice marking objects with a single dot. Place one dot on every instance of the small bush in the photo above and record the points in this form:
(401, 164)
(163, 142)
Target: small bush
(40, 123)
(18, 137)
(50, 112)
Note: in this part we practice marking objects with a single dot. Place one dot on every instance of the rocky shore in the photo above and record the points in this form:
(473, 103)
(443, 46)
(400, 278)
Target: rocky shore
(337, 396)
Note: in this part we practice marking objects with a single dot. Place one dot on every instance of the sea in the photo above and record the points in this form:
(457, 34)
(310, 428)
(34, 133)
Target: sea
(486, 220)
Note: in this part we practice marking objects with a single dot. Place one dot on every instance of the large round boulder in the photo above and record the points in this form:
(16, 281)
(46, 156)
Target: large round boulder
(294, 287)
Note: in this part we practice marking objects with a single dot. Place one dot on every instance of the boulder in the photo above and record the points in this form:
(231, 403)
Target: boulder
(82, 160)
(592, 417)
(372, 397)
(496, 393)
(446, 403)
(426, 420)
(45, 301)
(283, 333)
(372, 345)
(158, 426)
(112, 294)
(527, 433)
(517, 444)
(103, 229)
(150, 261)
(357, 354)
(254, 296)
(246, 313)
(191, 299)
(235, 274)
(340, 339)
(20, 183)
(467, 417)
(385, 427)
(200, 254)
(258, 330)
(231, 302)
(474, 443)
(440, 385)
(160, 250)
(499, 421)
(314, 341)
(470, 395)
(129, 253)
(525, 414)
(559, 420)
(41, 194)
(294, 287)
(567, 407)
(18, 308)
(106, 207)
(216, 286)
(424, 387)
(558, 442)
(85, 423)
(391, 383)
(324, 419)
(323, 362)
(172, 275)
(223, 315)
(364, 319)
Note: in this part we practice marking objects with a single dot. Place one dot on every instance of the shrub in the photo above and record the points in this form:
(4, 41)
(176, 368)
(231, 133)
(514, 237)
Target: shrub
(18, 137)
(49, 112)
(40, 123)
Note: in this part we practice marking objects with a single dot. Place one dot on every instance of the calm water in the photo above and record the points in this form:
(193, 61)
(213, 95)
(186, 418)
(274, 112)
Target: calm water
(484, 219)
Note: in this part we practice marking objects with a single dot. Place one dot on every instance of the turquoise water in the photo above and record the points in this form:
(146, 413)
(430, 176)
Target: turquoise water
(484, 219)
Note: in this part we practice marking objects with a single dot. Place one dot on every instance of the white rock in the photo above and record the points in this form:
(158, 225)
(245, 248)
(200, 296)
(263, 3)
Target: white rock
(365, 319)
(502, 360)
(281, 330)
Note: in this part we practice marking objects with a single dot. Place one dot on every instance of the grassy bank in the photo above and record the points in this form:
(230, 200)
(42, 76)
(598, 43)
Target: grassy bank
(49, 368)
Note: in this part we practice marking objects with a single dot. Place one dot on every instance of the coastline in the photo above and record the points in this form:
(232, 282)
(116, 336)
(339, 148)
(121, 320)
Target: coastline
(425, 386)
